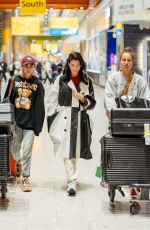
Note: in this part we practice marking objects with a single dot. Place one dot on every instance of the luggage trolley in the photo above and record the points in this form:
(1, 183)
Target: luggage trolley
(7, 122)
(125, 157)
(144, 197)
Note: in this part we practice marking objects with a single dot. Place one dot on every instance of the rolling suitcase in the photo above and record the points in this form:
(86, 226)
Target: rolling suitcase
(129, 121)
(7, 122)
(125, 158)
(4, 162)
(7, 118)
(126, 162)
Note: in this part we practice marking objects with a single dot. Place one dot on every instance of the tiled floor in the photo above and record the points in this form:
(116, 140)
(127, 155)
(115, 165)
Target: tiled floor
(48, 207)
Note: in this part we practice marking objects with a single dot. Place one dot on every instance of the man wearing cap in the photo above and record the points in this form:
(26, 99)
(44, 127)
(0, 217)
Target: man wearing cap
(27, 96)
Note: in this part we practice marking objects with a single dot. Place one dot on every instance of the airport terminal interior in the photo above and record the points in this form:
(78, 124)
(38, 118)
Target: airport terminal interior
(49, 30)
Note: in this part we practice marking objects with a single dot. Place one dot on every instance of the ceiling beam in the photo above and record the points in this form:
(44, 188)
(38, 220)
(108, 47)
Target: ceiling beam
(66, 6)
(78, 2)
(8, 6)
(56, 4)
(48, 6)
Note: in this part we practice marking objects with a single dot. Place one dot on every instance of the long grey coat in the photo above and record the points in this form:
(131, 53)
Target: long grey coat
(68, 122)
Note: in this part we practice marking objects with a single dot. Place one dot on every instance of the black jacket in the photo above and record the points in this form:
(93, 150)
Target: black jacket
(27, 96)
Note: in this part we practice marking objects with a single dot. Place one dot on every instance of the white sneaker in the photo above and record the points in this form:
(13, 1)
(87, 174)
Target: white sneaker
(26, 187)
(72, 188)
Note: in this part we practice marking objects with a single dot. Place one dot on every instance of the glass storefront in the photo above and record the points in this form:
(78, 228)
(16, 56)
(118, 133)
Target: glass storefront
(93, 64)
(103, 58)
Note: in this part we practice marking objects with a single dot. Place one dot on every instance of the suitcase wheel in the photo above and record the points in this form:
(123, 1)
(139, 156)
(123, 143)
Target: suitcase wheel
(4, 191)
(134, 208)
(111, 194)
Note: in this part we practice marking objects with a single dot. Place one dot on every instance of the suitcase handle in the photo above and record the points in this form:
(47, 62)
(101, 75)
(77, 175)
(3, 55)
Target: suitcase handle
(109, 159)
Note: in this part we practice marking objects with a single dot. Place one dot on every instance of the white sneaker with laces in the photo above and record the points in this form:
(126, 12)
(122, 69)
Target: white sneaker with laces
(72, 188)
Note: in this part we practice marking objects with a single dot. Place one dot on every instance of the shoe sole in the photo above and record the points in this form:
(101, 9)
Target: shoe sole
(71, 192)
(27, 189)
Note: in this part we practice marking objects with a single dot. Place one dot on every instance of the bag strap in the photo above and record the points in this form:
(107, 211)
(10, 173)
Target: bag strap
(0, 87)
(127, 85)
(10, 86)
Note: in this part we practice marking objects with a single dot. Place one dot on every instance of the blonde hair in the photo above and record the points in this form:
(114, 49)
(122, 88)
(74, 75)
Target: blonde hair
(34, 73)
(127, 50)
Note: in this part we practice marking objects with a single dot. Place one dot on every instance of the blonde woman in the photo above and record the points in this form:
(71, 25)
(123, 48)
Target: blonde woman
(117, 81)
(27, 96)
(116, 84)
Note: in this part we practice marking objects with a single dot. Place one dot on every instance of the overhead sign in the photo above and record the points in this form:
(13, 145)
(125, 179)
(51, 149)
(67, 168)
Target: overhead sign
(129, 10)
(32, 7)
(25, 26)
(52, 48)
(119, 28)
(64, 26)
(36, 48)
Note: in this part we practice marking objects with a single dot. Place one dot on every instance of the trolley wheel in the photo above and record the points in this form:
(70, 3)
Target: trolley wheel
(4, 191)
(111, 194)
(134, 208)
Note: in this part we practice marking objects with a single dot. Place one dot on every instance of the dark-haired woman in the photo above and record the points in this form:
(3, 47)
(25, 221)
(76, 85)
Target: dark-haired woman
(69, 127)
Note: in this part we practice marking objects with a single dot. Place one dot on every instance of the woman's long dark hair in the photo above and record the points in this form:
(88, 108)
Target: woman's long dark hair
(75, 56)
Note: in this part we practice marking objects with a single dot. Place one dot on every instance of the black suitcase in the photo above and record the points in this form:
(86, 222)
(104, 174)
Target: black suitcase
(4, 157)
(4, 163)
(7, 118)
(125, 160)
(129, 121)
(7, 122)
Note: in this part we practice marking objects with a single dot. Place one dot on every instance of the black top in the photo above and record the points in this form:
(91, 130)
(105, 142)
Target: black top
(27, 96)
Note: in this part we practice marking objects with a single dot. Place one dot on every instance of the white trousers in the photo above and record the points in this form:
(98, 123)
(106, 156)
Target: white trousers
(70, 168)
(21, 147)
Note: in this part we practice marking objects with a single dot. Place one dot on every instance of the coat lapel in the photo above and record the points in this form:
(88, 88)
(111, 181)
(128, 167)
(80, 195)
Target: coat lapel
(71, 85)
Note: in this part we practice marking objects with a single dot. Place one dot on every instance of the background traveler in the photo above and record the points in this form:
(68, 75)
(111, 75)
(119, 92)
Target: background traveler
(54, 71)
(16, 67)
(39, 70)
(47, 71)
(60, 71)
(3, 70)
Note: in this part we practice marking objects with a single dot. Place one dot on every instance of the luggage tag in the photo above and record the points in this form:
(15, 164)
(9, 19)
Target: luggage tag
(99, 171)
(147, 134)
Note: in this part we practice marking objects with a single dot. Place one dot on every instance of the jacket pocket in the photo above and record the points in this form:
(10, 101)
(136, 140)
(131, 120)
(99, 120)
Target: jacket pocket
(50, 119)
(55, 130)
